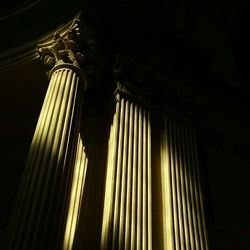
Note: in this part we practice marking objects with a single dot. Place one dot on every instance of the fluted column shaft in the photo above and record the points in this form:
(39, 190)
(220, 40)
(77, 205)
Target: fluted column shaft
(183, 210)
(76, 194)
(127, 217)
(40, 212)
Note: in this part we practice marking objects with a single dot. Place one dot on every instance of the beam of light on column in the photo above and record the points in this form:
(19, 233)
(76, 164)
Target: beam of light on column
(127, 216)
(77, 187)
(183, 209)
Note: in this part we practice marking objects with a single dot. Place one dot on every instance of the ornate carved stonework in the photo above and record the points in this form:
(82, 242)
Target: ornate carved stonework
(153, 89)
(67, 48)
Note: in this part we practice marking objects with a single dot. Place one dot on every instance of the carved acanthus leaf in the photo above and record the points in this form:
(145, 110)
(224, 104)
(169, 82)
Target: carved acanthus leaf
(65, 48)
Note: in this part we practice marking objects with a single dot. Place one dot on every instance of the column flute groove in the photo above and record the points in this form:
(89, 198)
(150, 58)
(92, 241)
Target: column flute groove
(197, 198)
(173, 181)
(193, 193)
(129, 178)
(149, 179)
(178, 189)
(187, 189)
(183, 190)
(144, 183)
(139, 183)
(134, 185)
(124, 177)
(200, 193)
(118, 178)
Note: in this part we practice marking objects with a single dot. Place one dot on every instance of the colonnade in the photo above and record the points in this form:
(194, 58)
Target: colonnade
(49, 205)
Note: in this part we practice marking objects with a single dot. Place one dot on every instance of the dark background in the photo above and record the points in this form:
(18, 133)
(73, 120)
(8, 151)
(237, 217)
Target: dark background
(196, 51)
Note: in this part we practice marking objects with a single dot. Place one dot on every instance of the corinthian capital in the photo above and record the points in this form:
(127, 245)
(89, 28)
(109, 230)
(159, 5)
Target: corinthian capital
(67, 47)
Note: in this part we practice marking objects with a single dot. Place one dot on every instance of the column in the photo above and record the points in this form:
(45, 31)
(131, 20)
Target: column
(153, 191)
(183, 215)
(127, 216)
(43, 208)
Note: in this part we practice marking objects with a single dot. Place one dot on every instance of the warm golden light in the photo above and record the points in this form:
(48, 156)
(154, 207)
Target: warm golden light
(183, 211)
(127, 217)
(75, 195)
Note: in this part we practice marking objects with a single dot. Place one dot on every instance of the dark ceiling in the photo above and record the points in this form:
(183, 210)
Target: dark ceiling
(200, 48)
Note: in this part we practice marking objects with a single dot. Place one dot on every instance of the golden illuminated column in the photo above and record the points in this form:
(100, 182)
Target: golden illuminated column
(41, 212)
(127, 216)
(183, 214)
